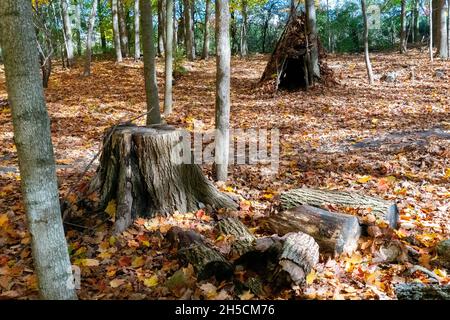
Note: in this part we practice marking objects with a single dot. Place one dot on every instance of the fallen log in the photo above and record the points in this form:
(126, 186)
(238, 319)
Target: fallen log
(149, 170)
(206, 260)
(419, 291)
(381, 209)
(334, 232)
(243, 241)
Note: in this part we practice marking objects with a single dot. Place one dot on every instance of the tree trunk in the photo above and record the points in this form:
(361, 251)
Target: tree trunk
(32, 137)
(143, 171)
(366, 43)
(419, 291)
(189, 33)
(102, 27)
(223, 57)
(403, 36)
(206, 260)
(430, 48)
(115, 18)
(313, 37)
(334, 232)
(436, 16)
(67, 31)
(233, 30)
(381, 209)
(243, 240)
(87, 65)
(169, 58)
(137, 34)
(161, 27)
(205, 53)
(123, 29)
(244, 45)
(151, 87)
(443, 51)
(78, 26)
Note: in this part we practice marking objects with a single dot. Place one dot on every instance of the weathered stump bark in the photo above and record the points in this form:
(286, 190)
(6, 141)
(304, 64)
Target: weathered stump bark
(149, 170)
(300, 253)
(381, 209)
(419, 291)
(243, 241)
(205, 259)
(334, 232)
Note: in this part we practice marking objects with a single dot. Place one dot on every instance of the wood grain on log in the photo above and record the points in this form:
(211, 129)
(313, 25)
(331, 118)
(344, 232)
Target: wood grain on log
(419, 291)
(381, 209)
(147, 170)
(334, 232)
(243, 241)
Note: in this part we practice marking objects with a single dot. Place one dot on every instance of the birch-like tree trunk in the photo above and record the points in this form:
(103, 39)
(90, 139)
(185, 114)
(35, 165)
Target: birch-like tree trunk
(189, 33)
(137, 40)
(244, 26)
(223, 57)
(115, 23)
(78, 25)
(430, 42)
(205, 53)
(35, 151)
(161, 27)
(148, 46)
(169, 58)
(123, 29)
(366, 43)
(443, 51)
(91, 23)
(67, 31)
(313, 37)
(403, 33)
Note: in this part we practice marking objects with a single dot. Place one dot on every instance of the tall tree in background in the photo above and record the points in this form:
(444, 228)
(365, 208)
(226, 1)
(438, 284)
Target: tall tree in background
(205, 51)
(148, 46)
(137, 40)
(443, 51)
(169, 58)
(116, 32)
(67, 31)
(78, 25)
(403, 33)
(100, 8)
(91, 24)
(123, 29)
(189, 30)
(161, 27)
(223, 56)
(313, 37)
(431, 24)
(244, 28)
(35, 151)
(366, 42)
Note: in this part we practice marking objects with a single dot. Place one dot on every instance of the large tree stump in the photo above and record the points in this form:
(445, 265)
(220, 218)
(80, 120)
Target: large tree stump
(206, 260)
(334, 232)
(381, 209)
(149, 170)
(419, 291)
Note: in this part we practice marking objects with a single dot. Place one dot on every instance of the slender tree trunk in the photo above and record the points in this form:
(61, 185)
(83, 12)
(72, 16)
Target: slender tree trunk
(329, 27)
(115, 18)
(244, 43)
(102, 27)
(78, 26)
(436, 5)
(122, 29)
(430, 5)
(403, 40)
(443, 51)
(67, 31)
(313, 37)
(205, 53)
(137, 40)
(182, 25)
(161, 27)
(151, 87)
(35, 151)
(87, 65)
(223, 57)
(234, 42)
(175, 27)
(366, 42)
(189, 33)
(169, 58)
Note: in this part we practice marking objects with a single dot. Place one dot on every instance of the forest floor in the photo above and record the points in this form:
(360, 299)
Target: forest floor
(318, 129)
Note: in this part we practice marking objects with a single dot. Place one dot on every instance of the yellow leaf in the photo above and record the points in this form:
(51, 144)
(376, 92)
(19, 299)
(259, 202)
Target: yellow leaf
(375, 121)
(441, 273)
(364, 179)
(138, 262)
(111, 209)
(151, 282)
(268, 196)
(112, 240)
(3, 219)
(116, 283)
(247, 295)
(311, 277)
(89, 262)
(209, 290)
(447, 173)
(104, 255)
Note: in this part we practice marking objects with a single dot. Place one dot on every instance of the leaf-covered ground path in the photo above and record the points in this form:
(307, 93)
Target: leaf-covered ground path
(315, 127)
